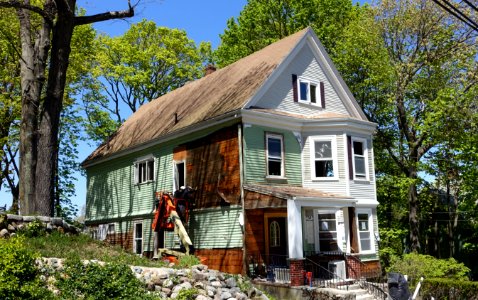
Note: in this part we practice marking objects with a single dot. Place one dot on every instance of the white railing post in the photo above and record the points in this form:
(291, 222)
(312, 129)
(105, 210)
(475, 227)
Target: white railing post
(417, 289)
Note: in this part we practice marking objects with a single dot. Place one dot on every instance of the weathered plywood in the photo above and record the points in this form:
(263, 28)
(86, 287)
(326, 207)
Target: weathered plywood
(224, 260)
(212, 168)
(254, 200)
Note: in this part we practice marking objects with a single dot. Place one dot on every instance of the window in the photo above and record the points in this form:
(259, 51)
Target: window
(111, 228)
(327, 231)
(323, 156)
(359, 150)
(275, 156)
(364, 219)
(179, 174)
(274, 234)
(138, 238)
(144, 170)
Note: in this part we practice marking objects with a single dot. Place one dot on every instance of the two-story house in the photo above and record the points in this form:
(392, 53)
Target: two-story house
(277, 148)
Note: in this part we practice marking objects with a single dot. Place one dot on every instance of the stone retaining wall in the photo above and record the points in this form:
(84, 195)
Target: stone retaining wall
(11, 224)
(211, 284)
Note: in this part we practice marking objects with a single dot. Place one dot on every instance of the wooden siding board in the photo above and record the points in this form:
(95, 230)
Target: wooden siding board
(255, 155)
(280, 95)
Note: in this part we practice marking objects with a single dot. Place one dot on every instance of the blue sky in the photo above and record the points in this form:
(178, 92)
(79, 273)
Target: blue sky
(202, 20)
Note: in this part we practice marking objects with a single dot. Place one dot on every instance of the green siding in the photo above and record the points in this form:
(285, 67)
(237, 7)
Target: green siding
(255, 155)
(212, 228)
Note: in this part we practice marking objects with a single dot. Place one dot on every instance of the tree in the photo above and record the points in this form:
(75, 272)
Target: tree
(129, 70)
(263, 22)
(45, 50)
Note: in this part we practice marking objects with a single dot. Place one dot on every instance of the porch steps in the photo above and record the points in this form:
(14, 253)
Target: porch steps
(360, 294)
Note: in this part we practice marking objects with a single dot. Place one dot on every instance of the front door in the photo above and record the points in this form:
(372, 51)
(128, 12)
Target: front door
(276, 239)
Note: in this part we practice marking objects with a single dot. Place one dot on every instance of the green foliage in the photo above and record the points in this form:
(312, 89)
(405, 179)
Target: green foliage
(391, 245)
(263, 22)
(440, 288)
(57, 244)
(19, 277)
(92, 281)
(35, 228)
(418, 265)
(187, 294)
(188, 261)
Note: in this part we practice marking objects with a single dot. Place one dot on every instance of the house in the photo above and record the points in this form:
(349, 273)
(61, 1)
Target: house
(280, 155)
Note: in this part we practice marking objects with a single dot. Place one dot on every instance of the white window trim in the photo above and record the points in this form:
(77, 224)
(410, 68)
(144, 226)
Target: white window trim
(325, 138)
(367, 211)
(281, 138)
(134, 237)
(318, 98)
(143, 159)
(175, 164)
(365, 154)
(114, 228)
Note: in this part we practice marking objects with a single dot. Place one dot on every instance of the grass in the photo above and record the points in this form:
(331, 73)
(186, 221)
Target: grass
(83, 247)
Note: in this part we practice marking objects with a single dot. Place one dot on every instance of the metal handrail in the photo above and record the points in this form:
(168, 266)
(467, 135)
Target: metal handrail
(376, 286)
(331, 280)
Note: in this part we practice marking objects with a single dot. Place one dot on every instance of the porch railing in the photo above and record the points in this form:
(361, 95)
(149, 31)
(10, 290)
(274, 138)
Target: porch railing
(371, 280)
(275, 268)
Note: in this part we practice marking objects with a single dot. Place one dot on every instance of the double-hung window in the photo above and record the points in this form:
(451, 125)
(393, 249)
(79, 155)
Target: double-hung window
(144, 170)
(308, 91)
(138, 238)
(324, 158)
(359, 152)
(275, 155)
(179, 174)
(364, 219)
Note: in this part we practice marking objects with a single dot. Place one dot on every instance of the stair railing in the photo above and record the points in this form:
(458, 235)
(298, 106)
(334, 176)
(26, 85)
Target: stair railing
(322, 277)
(372, 281)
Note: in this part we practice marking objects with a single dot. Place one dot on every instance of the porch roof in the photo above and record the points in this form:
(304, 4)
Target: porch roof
(291, 192)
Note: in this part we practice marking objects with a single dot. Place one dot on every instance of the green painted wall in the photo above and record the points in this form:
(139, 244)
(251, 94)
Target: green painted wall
(112, 197)
(255, 155)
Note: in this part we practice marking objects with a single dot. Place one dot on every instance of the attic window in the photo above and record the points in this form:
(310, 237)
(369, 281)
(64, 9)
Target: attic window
(308, 91)
(144, 170)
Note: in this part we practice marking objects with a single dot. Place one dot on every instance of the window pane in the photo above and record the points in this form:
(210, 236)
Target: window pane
(139, 246)
(151, 170)
(142, 172)
(358, 149)
(365, 245)
(323, 149)
(327, 225)
(304, 90)
(274, 167)
(274, 147)
(180, 175)
(138, 230)
(327, 216)
(359, 166)
(313, 95)
(324, 168)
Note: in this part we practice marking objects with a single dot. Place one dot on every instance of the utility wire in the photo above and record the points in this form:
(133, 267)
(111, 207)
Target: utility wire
(471, 5)
(459, 15)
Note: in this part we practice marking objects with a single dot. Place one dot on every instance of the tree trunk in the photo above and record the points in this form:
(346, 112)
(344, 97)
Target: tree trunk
(413, 216)
(32, 65)
(52, 105)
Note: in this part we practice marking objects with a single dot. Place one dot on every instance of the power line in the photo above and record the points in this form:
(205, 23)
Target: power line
(458, 14)
(471, 4)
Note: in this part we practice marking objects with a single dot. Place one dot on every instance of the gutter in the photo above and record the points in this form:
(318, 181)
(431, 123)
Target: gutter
(235, 114)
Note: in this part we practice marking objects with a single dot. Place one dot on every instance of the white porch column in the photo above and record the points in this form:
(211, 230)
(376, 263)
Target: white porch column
(294, 223)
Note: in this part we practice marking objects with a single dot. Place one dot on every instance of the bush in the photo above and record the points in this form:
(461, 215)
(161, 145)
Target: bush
(187, 294)
(19, 277)
(35, 228)
(418, 265)
(187, 261)
(449, 289)
(92, 281)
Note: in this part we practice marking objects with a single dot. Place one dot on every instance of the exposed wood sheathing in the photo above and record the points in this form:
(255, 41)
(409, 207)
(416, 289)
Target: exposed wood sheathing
(221, 92)
(212, 167)
(224, 260)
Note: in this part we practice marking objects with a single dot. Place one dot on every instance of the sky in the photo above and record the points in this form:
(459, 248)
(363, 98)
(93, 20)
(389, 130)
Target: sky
(202, 20)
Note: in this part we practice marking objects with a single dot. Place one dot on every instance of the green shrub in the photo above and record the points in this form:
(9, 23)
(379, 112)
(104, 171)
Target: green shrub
(449, 289)
(187, 294)
(418, 265)
(187, 261)
(35, 228)
(93, 281)
(19, 277)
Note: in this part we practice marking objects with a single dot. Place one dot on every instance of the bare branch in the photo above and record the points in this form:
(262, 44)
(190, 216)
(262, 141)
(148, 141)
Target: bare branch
(82, 20)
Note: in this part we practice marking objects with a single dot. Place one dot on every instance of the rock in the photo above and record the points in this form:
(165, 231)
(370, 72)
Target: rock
(14, 217)
(241, 296)
(11, 228)
(166, 291)
(231, 282)
(174, 295)
(183, 279)
(225, 295)
(4, 233)
(57, 221)
(186, 285)
(137, 270)
(158, 288)
(168, 283)
(202, 297)
(29, 218)
(199, 285)
(21, 226)
(212, 278)
(199, 276)
(251, 293)
(216, 284)
(210, 293)
(177, 288)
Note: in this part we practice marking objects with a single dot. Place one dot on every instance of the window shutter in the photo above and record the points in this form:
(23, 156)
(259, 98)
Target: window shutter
(294, 88)
(349, 151)
(322, 95)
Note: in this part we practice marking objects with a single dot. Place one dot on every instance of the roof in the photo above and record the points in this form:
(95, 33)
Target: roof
(224, 91)
(288, 192)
